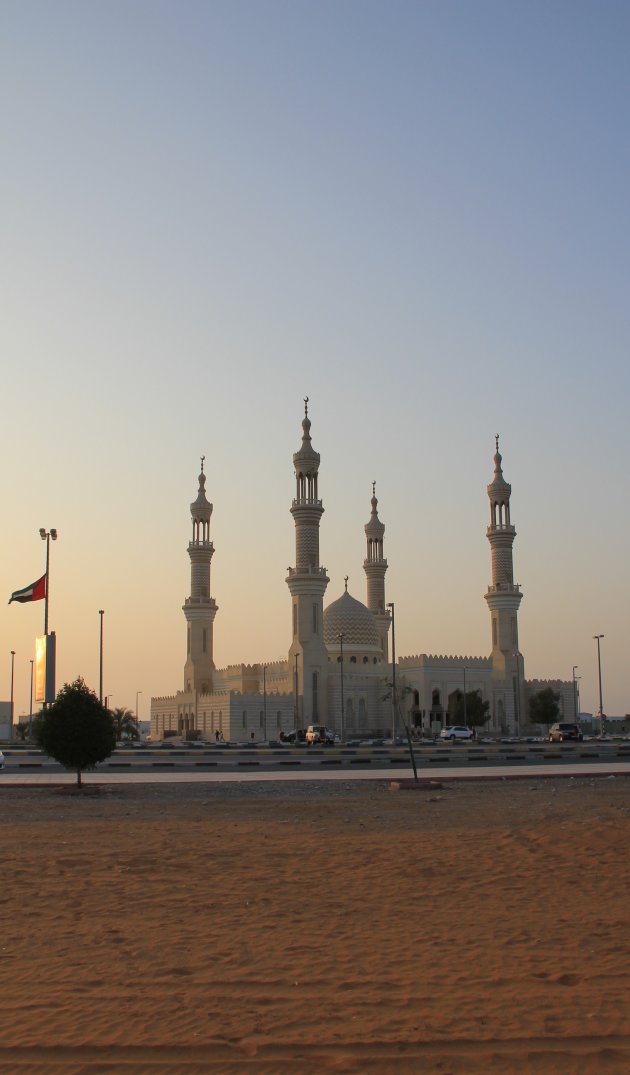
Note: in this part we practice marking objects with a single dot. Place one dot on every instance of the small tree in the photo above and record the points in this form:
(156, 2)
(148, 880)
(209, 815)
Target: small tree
(76, 730)
(476, 711)
(543, 706)
(125, 724)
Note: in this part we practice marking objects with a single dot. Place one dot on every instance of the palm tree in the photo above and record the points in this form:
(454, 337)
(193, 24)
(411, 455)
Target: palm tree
(125, 724)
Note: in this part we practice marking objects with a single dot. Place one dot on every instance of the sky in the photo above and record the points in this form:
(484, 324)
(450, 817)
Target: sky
(414, 213)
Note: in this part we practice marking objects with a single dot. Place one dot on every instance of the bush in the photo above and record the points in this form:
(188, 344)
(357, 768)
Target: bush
(76, 730)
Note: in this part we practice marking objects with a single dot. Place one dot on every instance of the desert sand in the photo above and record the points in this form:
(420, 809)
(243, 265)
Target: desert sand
(473, 928)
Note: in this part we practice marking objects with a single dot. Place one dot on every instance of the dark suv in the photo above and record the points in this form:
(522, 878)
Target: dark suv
(558, 733)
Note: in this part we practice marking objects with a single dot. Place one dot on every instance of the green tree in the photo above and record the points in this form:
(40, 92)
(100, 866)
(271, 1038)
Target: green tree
(125, 724)
(543, 706)
(477, 712)
(76, 730)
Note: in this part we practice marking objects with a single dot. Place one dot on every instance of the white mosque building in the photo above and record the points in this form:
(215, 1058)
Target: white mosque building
(338, 671)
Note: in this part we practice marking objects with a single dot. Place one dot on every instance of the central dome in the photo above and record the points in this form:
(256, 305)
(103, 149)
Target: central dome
(348, 617)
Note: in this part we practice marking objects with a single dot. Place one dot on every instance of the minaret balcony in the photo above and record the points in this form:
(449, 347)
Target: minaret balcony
(306, 502)
(201, 545)
(308, 569)
(505, 587)
(209, 602)
(501, 528)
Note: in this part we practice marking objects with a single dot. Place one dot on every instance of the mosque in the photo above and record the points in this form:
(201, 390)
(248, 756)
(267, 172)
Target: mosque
(338, 671)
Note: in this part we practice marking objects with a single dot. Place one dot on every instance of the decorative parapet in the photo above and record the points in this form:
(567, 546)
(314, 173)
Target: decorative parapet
(424, 659)
(541, 684)
(504, 587)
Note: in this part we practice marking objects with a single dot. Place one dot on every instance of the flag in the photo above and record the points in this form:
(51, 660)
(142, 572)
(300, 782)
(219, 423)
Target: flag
(35, 592)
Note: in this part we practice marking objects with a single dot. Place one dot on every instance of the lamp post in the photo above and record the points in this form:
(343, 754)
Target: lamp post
(343, 710)
(575, 705)
(46, 535)
(599, 670)
(30, 708)
(12, 672)
(295, 674)
(138, 693)
(101, 613)
(265, 701)
(390, 604)
(518, 694)
(465, 706)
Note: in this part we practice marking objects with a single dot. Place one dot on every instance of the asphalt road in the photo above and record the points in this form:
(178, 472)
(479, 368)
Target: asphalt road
(458, 761)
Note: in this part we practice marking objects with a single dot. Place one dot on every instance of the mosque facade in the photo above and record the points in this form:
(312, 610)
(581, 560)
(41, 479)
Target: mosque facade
(339, 670)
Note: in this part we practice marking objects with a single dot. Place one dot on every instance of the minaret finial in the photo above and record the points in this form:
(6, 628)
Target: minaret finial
(202, 459)
(496, 441)
(373, 488)
(306, 406)
(345, 579)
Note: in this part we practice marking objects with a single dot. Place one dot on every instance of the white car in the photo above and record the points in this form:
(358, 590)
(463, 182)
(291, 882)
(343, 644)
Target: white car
(1, 760)
(456, 732)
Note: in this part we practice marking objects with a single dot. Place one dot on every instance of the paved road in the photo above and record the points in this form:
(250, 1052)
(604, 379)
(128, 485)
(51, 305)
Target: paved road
(180, 763)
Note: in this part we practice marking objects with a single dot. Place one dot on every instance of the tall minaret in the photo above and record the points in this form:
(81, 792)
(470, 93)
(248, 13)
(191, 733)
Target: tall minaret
(504, 597)
(307, 582)
(200, 608)
(375, 566)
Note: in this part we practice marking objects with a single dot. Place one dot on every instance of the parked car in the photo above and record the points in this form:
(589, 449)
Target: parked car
(1, 760)
(455, 732)
(559, 732)
(298, 735)
(318, 733)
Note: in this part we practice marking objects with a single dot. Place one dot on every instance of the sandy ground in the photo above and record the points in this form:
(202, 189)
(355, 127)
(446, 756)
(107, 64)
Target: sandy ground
(471, 929)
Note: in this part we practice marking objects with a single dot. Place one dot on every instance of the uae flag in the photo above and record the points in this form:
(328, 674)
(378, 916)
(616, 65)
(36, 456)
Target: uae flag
(35, 592)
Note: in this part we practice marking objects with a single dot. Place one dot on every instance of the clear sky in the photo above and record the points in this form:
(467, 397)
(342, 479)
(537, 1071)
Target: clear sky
(415, 213)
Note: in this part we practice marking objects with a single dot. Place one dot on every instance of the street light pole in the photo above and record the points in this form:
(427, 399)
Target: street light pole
(12, 673)
(518, 693)
(465, 707)
(599, 669)
(296, 698)
(575, 706)
(30, 708)
(390, 604)
(46, 535)
(101, 613)
(137, 725)
(343, 711)
(265, 701)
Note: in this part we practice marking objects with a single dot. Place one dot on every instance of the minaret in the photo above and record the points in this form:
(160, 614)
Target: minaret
(375, 566)
(200, 608)
(504, 597)
(307, 582)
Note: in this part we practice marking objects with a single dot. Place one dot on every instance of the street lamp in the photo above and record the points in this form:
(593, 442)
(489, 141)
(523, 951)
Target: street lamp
(297, 654)
(465, 709)
(390, 604)
(137, 695)
(30, 708)
(599, 669)
(12, 671)
(101, 613)
(518, 656)
(575, 705)
(343, 711)
(265, 701)
(46, 535)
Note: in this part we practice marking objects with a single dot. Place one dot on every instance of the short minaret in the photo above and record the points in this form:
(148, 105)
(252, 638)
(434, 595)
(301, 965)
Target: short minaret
(504, 597)
(375, 566)
(307, 582)
(200, 608)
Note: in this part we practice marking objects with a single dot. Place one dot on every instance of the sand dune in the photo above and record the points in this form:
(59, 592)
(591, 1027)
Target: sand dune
(478, 928)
